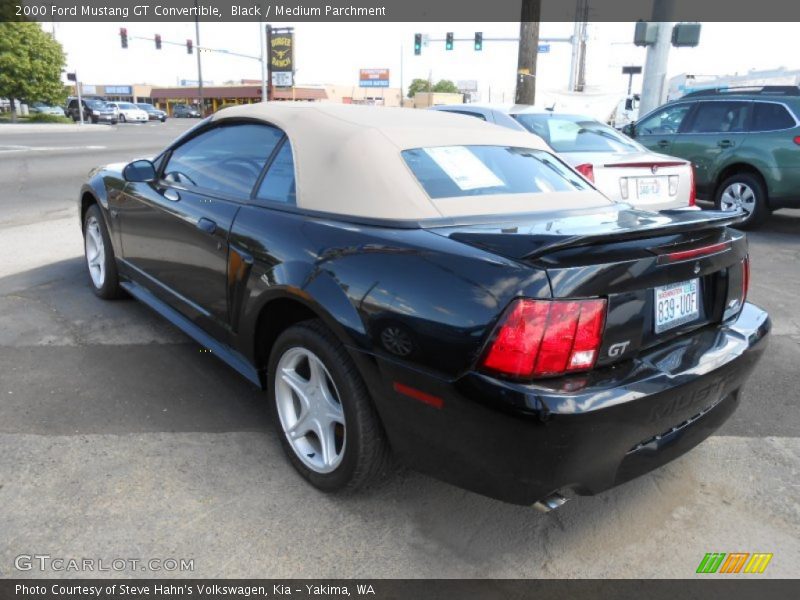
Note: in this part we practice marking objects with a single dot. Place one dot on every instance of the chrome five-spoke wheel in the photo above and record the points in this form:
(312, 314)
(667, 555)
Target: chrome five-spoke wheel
(310, 410)
(95, 252)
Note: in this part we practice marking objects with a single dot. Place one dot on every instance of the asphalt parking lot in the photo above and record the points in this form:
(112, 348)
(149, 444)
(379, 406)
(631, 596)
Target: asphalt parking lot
(119, 438)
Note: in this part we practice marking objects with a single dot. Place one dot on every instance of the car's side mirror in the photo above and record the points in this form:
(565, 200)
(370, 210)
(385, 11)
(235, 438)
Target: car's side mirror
(629, 130)
(139, 170)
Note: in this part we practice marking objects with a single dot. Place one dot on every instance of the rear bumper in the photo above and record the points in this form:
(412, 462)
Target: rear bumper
(520, 442)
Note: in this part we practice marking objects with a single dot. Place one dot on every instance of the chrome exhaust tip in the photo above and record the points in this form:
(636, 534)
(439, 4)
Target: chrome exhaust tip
(551, 502)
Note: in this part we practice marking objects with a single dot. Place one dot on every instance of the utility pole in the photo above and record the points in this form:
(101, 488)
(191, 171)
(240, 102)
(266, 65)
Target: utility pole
(655, 66)
(528, 49)
(199, 64)
(577, 69)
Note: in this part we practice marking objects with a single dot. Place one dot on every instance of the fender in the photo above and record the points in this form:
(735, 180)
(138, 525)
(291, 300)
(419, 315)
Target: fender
(318, 292)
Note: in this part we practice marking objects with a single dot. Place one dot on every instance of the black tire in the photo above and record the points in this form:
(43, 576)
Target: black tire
(110, 288)
(94, 120)
(761, 207)
(122, 119)
(366, 452)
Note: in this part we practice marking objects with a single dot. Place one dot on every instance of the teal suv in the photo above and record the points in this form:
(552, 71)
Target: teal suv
(744, 145)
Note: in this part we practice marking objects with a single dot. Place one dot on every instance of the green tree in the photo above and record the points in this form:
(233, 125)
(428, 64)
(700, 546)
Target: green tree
(30, 65)
(445, 86)
(417, 86)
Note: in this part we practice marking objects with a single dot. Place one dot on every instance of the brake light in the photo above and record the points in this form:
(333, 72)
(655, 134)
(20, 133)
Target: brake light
(745, 277)
(538, 338)
(797, 140)
(587, 170)
(692, 188)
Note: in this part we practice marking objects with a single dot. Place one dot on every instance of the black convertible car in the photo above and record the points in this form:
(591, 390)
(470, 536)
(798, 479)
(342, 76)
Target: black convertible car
(417, 284)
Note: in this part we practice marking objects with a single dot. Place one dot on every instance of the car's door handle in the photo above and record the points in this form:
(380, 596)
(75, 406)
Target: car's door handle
(725, 144)
(663, 143)
(171, 195)
(206, 225)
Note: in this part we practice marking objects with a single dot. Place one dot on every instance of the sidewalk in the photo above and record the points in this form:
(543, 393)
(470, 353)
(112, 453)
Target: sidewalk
(17, 128)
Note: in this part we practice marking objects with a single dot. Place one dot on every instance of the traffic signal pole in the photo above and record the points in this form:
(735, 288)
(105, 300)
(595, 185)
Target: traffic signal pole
(199, 64)
(655, 66)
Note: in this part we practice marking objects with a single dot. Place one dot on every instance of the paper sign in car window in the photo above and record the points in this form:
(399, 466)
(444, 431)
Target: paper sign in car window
(563, 131)
(463, 167)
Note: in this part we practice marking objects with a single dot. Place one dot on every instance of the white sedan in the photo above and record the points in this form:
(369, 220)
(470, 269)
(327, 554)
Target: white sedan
(621, 168)
(130, 113)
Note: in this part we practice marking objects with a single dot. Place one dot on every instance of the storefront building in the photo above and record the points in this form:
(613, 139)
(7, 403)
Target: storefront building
(215, 97)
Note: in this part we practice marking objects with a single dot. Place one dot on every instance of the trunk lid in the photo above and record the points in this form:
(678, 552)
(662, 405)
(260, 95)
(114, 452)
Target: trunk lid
(633, 258)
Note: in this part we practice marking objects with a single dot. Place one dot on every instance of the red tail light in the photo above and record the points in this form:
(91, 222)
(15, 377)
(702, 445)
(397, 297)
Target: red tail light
(692, 188)
(745, 277)
(538, 338)
(587, 170)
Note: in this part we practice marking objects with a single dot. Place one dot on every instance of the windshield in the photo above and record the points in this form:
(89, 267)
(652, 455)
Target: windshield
(127, 105)
(565, 133)
(96, 104)
(146, 106)
(454, 171)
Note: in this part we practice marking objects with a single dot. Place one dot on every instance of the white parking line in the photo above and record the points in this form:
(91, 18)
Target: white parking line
(5, 149)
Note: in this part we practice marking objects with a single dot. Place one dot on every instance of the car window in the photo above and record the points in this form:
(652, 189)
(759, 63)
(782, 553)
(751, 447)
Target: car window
(768, 116)
(98, 104)
(225, 159)
(468, 113)
(278, 184)
(126, 105)
(455, 171)
(664, 121)
(576, 134)
(719, 117)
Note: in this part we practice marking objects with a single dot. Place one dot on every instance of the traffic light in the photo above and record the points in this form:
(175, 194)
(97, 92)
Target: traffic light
(417, 44)
(478, 40)
(123, 37)
(189, 47)
(158, 42)
(448, 43)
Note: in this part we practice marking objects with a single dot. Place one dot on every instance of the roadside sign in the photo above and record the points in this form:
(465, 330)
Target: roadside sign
(467, 85)
(373, 78)
(281, 50)
(282, 79)
(544, 48)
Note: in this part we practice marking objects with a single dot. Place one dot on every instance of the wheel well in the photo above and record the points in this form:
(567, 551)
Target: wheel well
(739, 168)
(86, 201)
(275, 317)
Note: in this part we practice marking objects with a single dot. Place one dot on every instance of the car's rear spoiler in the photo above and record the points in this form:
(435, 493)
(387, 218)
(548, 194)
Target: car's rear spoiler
(681, 221)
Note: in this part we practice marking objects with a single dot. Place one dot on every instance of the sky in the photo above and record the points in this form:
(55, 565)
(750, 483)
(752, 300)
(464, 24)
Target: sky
(333, 53)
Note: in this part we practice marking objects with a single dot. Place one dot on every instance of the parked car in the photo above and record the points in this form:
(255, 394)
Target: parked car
(46, 109)
(153, 113)
(129, 112)
(94, 110)
(434, 286)
(744, 144)
(620, 168)
(185, 111)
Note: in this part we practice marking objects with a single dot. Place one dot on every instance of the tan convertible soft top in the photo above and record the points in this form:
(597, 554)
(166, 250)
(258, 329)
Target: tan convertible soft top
(347, 160)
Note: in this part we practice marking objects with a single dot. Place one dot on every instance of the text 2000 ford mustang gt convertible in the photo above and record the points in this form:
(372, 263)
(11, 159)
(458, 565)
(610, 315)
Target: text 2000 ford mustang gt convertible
(437, 288)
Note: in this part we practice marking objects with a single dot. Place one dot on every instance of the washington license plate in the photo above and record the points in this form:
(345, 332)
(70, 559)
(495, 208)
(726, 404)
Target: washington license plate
(676, 304)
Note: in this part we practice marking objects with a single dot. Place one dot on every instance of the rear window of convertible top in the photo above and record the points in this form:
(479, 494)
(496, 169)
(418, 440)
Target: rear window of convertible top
(458, 171)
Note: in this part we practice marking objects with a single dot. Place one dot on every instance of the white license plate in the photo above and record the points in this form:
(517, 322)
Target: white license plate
(647, 187)
(676, 304)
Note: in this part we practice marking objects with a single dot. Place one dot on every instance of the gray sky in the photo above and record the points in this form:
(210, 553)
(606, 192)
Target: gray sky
(333, 53)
